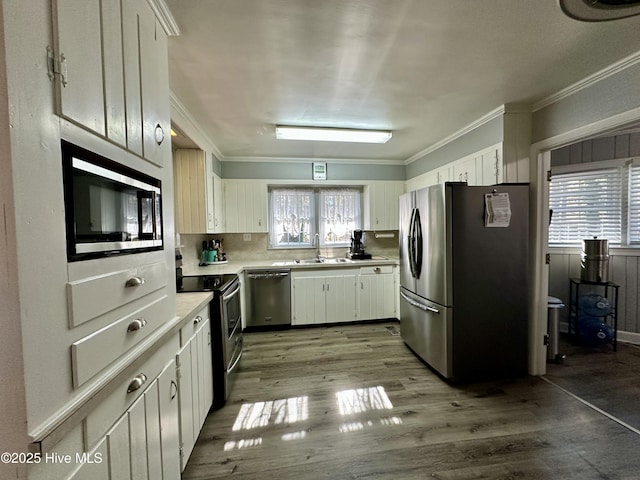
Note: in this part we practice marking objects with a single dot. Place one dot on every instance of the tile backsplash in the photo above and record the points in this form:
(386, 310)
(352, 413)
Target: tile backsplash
(237, 248)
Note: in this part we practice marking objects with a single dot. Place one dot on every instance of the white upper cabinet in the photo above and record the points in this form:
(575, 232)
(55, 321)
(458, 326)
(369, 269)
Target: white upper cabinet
(110, 66)
(245, 206)
(154, 87)
(485, 167)
(131, 11)
(198, 205)
(381, 205)
(113, 60)
(77, 59)
(218, 205)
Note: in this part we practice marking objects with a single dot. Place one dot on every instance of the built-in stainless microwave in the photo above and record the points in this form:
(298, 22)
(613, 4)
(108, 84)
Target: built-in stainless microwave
(110, 209)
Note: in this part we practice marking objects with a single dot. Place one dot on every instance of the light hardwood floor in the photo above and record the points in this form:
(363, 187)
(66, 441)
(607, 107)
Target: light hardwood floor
(353, 402)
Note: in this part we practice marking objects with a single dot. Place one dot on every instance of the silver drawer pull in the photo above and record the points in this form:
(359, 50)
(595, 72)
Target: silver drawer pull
(134, 281)
(377, 269)
(136, 325)
(138, 381)
(419, 305)
(197, 320)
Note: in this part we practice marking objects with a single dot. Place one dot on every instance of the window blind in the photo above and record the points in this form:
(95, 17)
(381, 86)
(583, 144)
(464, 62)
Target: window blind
(634, 205)
(586, 205)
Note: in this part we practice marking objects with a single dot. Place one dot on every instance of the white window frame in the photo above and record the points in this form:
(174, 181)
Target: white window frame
(315, 227)
(628, 209)
(632, 213)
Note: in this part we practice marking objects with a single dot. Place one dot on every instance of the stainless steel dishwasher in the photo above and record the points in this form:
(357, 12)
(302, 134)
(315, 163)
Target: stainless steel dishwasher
(268, 298)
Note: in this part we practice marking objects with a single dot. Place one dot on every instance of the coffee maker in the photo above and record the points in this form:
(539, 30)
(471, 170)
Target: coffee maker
(356, 251)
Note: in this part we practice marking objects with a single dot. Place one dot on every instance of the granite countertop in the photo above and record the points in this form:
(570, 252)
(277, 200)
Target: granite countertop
(238, 266)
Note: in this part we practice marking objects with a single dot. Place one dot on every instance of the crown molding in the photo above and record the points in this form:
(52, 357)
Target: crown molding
(188, 124)
(586, 82)
(501, 110)
(367, 161)
(165, 17)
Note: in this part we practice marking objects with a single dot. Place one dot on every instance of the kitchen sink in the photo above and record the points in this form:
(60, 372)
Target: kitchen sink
(307, 261)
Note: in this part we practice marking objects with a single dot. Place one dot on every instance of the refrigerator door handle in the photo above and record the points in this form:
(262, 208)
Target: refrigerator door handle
(419, 305)
(411, 243)
(418, 244)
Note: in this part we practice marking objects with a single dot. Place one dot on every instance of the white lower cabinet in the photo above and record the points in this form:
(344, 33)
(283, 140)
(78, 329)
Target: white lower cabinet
(376, 294)
(195, 382)
(143, 442)
(96, 467)
(343, 295)
(152, 422)
(169, 423)
(138, 438)
(323, 296)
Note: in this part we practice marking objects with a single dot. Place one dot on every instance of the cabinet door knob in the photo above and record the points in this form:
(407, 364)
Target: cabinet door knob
(158, 134)
(137, 382)
(134, 281)
(136, 325)
(197, 320)
(377, 270)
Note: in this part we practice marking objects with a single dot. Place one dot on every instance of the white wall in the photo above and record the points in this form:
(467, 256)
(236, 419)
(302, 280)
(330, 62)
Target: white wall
(13, 436)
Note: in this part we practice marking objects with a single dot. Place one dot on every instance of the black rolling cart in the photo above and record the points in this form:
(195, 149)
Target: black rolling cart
(608, 316)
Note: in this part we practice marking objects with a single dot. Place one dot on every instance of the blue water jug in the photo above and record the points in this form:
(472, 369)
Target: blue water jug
(594, 304)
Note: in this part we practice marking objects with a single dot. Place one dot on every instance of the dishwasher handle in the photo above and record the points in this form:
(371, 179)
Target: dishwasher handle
(267, 275)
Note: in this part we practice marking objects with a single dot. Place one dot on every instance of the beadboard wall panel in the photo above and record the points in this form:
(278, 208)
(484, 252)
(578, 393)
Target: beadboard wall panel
(623, 270)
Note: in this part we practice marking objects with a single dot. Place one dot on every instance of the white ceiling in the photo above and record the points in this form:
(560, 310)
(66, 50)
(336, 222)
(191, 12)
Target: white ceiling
(422, 68)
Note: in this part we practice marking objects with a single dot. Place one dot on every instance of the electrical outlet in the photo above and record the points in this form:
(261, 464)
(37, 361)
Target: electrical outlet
(246, 237)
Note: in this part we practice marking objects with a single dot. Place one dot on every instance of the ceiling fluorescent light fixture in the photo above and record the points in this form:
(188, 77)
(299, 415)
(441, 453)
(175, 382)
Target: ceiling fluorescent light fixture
(332, 134)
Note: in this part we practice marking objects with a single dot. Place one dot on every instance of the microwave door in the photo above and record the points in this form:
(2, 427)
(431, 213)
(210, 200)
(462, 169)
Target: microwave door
(147, 215)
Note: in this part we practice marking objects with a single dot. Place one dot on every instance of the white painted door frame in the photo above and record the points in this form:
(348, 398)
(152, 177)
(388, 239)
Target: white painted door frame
(540, 162)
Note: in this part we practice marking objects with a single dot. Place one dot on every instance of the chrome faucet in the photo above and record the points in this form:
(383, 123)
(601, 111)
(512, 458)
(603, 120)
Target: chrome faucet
(316, 239)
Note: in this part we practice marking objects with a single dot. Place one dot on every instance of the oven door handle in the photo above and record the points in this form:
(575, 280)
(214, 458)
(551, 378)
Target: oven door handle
(230, 369)
(227, 296)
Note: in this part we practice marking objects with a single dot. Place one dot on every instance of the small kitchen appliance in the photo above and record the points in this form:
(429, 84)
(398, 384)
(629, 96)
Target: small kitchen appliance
(110, 209)
(356, 251)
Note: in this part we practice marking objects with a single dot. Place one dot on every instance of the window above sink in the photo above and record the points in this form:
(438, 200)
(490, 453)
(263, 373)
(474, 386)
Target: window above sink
(302, 217)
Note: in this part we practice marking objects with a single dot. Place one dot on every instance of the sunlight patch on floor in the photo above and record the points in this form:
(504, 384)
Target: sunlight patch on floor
(361, 400)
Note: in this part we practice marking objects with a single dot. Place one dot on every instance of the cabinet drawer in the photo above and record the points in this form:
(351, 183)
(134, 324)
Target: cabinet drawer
(376, 270)
(190, 329)
(91, 354)
(100, 420)
(91, 297)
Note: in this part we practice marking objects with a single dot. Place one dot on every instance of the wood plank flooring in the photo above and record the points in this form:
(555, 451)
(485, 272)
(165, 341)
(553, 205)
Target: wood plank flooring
(607, 379)
(353, 402)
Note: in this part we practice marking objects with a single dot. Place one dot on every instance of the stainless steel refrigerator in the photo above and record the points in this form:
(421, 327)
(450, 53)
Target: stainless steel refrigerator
(464, 279)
